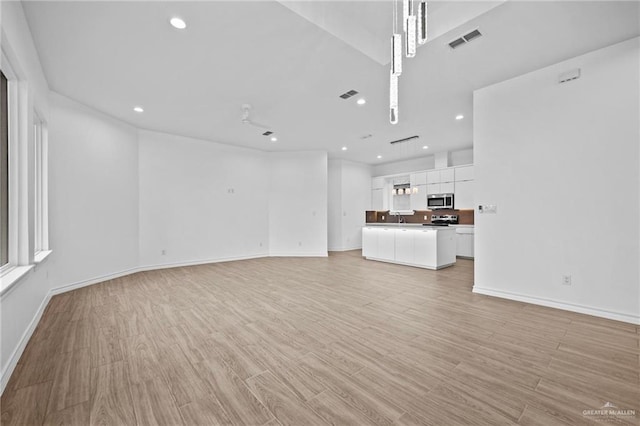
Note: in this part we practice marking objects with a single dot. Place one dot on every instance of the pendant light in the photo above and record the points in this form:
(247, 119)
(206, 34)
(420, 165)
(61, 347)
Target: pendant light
(410, 31)
(393, 98)
(422, 22)
(415, 33)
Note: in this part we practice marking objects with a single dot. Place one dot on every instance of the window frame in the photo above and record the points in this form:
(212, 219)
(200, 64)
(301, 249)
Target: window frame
(12, 172)
(23, 113)
(40, 187)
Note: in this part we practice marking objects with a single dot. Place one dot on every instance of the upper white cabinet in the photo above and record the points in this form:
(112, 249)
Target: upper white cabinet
(446, 175)
(419, 178)
(464, 187)
(451, 180)
(418, 190)
(419, 197)
(440, 181)
(433, 176)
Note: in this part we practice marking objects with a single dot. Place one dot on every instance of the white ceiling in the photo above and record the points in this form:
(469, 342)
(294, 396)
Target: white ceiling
(291, 62)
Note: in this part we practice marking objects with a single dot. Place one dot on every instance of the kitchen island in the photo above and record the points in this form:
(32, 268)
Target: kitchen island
(430, 247)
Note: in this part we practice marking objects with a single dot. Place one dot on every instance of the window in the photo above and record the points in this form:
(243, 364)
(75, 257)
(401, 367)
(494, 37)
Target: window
(23, 178)
(4, 171)
(40, 204)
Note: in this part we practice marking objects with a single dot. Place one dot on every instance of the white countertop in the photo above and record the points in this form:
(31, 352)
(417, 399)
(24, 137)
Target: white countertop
(411, 225)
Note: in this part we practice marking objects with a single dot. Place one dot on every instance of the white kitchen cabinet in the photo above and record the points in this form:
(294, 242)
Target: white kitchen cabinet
(446, 188)
(463, 173)
(446, 175)
(370, 241)
(440, 181)
(386, 244)
(424, 247)
(377, 199)
(433, 188)
(419, 197)
(440, 188)
(404, 245)
(416, 179)
(424, 241)
(465, 242)
(464, 195)
(433, 176)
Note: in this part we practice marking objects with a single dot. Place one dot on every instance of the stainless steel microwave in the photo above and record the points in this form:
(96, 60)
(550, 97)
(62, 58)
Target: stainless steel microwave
(439, 201)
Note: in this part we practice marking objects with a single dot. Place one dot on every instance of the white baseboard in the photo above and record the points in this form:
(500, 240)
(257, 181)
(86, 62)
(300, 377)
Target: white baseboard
(17, 353)
(359, 247)
(198, 262)
(589, 310)
(91, 281)
(295, 254)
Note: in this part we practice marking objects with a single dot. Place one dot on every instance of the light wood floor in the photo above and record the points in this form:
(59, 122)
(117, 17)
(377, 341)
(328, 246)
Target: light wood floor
(339, 341)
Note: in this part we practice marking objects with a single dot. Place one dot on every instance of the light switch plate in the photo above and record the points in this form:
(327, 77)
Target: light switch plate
(488, 208)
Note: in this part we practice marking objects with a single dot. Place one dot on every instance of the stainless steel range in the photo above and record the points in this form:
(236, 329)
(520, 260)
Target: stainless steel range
(448, 219)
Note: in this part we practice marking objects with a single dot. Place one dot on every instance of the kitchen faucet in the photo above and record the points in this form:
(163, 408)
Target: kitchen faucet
(401, 219)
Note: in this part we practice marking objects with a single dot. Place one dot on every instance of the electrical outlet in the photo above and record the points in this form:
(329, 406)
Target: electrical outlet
(382, 217)
(566, 279)
(164, 252)
(425, 217)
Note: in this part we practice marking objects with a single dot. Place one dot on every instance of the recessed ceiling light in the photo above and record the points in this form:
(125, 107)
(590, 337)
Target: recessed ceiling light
(379, 157)
(178, 23)
(425, 147)
(138, 109)
(361, 101)
(344, 148)
(459, 117)
(274, 139)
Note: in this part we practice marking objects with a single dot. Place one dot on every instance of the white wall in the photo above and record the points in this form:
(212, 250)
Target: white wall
(298, 203)
(562, 161)
(455, 158)
(334, 204)
(93, 203)
(349, 198)
(201, 201)
(404, 166)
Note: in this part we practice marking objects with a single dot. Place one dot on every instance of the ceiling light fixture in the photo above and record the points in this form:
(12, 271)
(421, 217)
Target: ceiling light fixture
(459, 117)
(361, 101)
(178, 23)
(415, 32)
(344, 148)
(379, 157)
(138, 109)
(274, 139)
(425, 147)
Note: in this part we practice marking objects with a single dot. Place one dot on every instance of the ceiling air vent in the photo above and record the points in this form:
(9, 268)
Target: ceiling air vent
(404, 140)
(465, 39)
(267, 133)
(349, 94)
